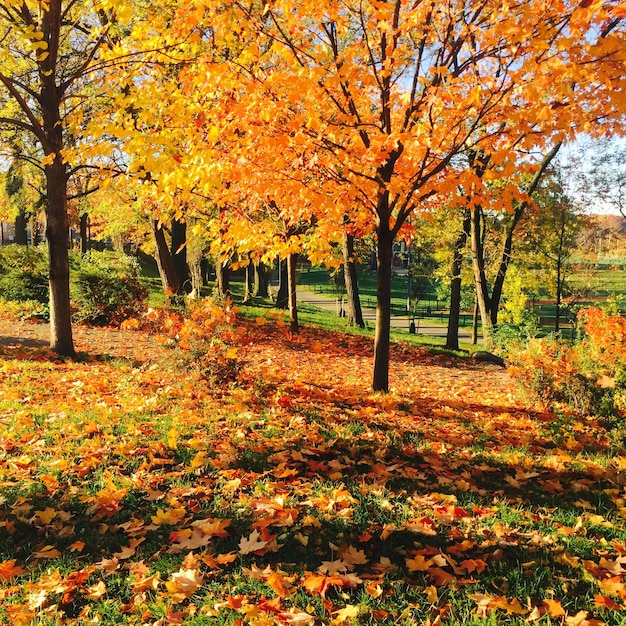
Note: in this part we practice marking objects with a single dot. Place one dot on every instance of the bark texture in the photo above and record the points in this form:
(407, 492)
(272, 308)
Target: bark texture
(452, 336)
(354, 312)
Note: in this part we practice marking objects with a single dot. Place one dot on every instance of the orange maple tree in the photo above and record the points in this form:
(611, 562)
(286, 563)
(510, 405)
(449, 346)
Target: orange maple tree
(374, 109)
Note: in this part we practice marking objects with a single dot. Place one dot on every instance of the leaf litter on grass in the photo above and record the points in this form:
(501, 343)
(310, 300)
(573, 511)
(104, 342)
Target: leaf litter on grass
(135, 493)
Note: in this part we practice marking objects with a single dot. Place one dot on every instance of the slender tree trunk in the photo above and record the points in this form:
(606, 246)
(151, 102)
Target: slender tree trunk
(84, 234)
(292, 260)
(249, 281)
(475, 323)
(35, 232)
(559, 294)
(195, 269)
(382, 337)
(498, 283)
(57, 235)
(480, 279)
(452, 337)
(222, 276)
(179, 255)
(167, 272)
(195, 258)
(261, 281)
(354, 312)
(507, 245)
(282, 299)
(21, 233)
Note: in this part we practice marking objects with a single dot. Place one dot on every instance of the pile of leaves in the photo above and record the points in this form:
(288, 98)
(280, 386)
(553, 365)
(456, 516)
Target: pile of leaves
(134, 493)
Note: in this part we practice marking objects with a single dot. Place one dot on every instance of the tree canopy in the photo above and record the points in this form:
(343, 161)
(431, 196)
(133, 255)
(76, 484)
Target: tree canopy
(342, 115)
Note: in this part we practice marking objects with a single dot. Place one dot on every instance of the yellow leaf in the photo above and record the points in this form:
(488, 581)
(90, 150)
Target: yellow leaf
(168, 516)
(419, 564)
(95, 592)
(554, 608)
(431, 594)
(45, 516)
(184, 583)
(172, 439)
(344, 614)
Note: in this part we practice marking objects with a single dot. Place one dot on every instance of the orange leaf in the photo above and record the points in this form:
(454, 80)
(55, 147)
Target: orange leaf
(8, 570)
(279, 584)
(607, 603)
(554, 608)
(47, 552)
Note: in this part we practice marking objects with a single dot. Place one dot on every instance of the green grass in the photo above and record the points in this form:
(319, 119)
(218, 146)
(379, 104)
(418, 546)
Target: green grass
(319, 280)
(309, 315)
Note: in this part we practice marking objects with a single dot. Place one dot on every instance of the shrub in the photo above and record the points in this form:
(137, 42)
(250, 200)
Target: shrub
(107, 288)
(509, 335)
(207, 340)
(589, 374)
(24, 274)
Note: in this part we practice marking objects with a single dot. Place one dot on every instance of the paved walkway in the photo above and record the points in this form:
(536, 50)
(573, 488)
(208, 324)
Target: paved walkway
(422, 326)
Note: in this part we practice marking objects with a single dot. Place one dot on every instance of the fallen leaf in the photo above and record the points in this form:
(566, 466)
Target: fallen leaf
(251, 543)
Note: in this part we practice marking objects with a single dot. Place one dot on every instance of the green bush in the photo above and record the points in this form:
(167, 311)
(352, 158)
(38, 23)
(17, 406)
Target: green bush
(107, 288)
(24, 274)
(510, 335)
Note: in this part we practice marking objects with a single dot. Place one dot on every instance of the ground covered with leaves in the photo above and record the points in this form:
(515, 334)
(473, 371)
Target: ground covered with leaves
(135, 492)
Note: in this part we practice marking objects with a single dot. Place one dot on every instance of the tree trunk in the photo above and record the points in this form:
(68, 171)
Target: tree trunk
(35, 232)
(480, 279)
(282, 299)
(383, 308)
(248, 281)
(452, 337)
(84, 234)
(222, 278)
(261, 281)
(167, 272)
(507, 245)
(57, 234)
(559, 291)
(292, 259)
(354, 312)
(475, 323)
(179, 255)
(195, 269)
(21, 233)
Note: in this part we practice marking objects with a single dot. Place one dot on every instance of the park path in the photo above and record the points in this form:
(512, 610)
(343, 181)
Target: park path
(422, 326)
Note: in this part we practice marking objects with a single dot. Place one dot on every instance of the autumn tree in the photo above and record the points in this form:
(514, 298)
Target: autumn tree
(47, 52)
(386, 99)
(370, 109)
(552, 235)
(510, 211)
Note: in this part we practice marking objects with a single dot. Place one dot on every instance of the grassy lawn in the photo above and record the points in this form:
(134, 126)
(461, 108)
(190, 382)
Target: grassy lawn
(319, 280)
(135, 492)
